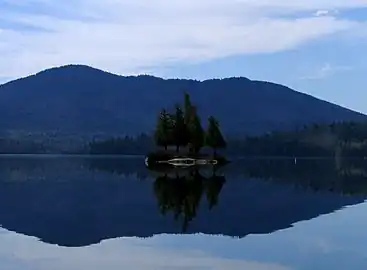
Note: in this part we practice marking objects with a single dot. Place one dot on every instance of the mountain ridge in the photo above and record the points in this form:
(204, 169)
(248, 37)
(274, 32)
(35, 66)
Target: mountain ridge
(83, 99)
(82, 66)
(94, 69)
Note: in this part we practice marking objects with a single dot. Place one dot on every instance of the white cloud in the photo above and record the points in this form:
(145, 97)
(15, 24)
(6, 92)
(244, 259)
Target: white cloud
(131, 36)
(327, 70)
(323, 12)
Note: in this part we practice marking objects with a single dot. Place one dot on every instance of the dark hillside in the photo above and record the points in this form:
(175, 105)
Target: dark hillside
(83, 100)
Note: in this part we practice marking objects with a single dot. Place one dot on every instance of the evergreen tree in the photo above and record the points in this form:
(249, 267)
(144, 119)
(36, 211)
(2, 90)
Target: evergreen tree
(171, 140)
(196, 132)
(188, 110)
(214, 137)
(187, 107)
(162, 131)
(180, 132)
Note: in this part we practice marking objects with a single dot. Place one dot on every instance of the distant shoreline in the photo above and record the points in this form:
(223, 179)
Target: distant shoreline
(71, 155)
(125, 156)
(337, 140)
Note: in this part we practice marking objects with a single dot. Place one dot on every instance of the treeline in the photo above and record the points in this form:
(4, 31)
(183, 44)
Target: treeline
(127, 145)
(43, 143)
(174, 132)
(17, 146)
(336, 139)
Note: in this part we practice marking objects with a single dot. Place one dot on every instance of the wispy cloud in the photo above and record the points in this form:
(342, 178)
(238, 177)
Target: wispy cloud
(323, 12)
(327, 70)
(126, 36)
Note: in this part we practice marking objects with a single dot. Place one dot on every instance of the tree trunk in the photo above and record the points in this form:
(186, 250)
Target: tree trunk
(165, 147)
(177, 148)
(215, 152)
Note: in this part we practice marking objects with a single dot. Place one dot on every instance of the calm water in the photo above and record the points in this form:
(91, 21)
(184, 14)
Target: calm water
(98, 213)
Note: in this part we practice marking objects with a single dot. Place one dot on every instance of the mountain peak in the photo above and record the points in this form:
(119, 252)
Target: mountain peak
(71, 68)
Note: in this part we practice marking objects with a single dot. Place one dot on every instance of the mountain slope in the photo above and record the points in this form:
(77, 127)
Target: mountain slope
(80, 99)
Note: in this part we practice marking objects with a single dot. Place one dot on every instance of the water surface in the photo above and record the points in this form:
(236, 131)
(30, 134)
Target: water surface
(113, 213)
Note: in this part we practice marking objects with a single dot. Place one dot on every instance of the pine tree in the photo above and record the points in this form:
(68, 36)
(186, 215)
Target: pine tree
(214, 137)
(188, 111)
(196, 132)
(180, 132)
(171, 140)
(187, 107)
(162, 131)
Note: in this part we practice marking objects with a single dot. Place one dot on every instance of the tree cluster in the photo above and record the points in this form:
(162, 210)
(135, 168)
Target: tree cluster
(182, 128)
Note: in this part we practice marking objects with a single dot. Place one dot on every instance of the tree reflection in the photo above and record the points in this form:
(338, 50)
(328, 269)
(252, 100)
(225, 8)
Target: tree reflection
(181, 195)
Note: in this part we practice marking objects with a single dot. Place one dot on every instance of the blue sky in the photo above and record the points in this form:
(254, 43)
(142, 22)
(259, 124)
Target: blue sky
(317, 47)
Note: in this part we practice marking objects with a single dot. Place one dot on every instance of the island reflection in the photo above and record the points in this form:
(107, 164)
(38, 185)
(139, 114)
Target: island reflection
(79, 202)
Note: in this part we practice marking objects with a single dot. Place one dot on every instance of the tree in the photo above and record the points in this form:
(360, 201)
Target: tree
(187, 107)
(180, 132)
(196, 132)
(171, 140)
(163, 129)
(214, 137)
(188, 116)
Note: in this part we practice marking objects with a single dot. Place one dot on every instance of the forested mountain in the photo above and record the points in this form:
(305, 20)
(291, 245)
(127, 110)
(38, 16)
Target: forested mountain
(78, 99)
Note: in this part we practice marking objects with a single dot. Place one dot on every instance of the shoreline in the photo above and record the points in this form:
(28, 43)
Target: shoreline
(71, 156)
(232, 157)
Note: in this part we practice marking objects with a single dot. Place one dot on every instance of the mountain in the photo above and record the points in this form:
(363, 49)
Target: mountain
(83, 100)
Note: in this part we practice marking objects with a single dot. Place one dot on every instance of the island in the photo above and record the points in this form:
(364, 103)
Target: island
(179, 138)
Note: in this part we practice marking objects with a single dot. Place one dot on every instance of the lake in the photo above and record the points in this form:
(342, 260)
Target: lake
(75, 213)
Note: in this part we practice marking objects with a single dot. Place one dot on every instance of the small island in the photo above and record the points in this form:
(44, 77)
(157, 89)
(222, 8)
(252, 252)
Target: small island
(180, 137)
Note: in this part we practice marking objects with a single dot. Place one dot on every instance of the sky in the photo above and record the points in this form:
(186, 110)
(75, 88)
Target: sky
(313, 46)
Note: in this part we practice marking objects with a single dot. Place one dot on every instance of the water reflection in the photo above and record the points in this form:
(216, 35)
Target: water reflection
(79, 202)
(348, 176)
(182, 194)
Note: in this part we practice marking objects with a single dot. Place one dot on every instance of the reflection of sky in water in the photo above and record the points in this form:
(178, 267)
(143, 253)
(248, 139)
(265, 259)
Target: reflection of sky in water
(334, 241)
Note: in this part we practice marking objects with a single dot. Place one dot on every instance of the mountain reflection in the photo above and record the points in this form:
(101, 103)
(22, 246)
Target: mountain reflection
(82, 201)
